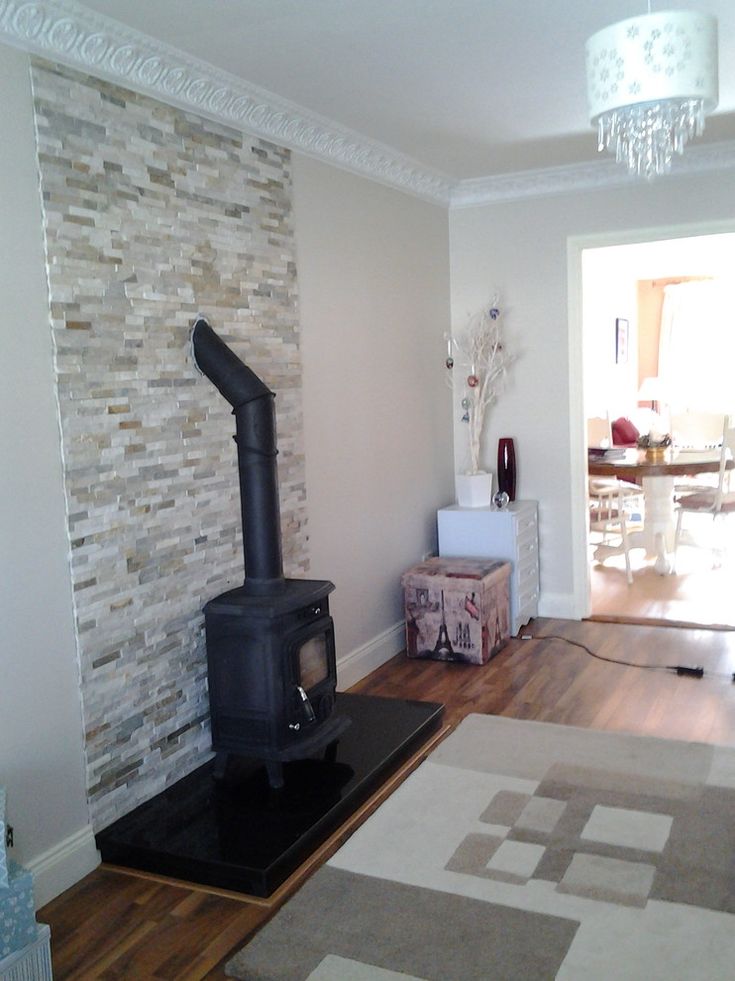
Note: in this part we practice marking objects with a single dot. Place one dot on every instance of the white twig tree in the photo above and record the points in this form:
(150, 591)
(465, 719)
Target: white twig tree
(479, 351)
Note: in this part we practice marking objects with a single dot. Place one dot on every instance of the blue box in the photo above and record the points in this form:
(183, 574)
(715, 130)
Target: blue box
(3, 853)
(17, 911)
(32, 962)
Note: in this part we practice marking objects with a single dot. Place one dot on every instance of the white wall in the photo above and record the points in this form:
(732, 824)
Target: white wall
(609, 294)
(521, 248)
(374, 295)
(40, 715)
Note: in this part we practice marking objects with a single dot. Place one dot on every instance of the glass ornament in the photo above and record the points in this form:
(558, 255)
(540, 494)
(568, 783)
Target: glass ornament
(473, 381)
(466, 403)
(501, 500)
(449, 362)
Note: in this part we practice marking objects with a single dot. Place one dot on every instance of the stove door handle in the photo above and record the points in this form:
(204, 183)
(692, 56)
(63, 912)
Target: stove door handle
(306, 704)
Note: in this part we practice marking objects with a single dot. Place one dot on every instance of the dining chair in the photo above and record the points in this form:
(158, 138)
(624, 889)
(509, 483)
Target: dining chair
(719, 501)
(599, 432)
(696, 431)
(610, 503)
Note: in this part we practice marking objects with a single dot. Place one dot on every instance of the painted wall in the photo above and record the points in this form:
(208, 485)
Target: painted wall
(521, 249)
(40, 716)
(374, 295)
(610, 384)
(650, 305)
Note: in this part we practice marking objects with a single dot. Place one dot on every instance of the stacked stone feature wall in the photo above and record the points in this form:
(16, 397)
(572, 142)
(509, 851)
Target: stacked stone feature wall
(153, 215)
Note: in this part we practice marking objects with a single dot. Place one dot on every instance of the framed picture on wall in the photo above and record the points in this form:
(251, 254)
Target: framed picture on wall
(621, 341)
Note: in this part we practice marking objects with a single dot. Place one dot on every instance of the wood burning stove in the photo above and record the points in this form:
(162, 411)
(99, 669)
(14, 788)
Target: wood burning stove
(270, 642)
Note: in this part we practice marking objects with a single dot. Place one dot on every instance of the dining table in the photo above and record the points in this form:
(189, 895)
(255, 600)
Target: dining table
(656, 476)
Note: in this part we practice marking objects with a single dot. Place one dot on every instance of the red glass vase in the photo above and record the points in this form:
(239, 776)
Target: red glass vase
(507, 467)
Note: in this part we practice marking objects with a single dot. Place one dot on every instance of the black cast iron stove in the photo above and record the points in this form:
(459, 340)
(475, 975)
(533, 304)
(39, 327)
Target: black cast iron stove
(270, 642)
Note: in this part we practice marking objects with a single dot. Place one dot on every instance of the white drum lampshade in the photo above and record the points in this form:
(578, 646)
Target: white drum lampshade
(651, 80)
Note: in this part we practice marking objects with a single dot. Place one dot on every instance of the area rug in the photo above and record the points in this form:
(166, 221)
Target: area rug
(526, 850)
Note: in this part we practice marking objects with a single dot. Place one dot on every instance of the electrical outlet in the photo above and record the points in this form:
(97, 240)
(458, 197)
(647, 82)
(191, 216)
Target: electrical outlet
(9, 836)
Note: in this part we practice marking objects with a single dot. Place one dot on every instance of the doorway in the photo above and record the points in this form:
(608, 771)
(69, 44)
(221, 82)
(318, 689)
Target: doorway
(611, 272)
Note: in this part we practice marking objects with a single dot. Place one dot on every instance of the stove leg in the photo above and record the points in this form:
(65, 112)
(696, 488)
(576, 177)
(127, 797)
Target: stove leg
(274, 769)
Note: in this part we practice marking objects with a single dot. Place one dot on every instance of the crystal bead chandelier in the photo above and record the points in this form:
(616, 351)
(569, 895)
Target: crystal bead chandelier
(651, 80)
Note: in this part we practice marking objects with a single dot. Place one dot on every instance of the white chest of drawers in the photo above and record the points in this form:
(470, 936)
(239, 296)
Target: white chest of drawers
(510, 534)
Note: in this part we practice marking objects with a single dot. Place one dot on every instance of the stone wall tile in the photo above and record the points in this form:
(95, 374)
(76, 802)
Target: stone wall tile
(151, 216)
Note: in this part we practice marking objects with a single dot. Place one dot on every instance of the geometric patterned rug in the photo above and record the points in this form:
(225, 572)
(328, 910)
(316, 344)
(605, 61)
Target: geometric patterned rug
(525, 850)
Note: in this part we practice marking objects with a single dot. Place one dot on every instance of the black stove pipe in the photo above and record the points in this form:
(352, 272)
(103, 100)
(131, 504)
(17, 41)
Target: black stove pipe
(255, 420)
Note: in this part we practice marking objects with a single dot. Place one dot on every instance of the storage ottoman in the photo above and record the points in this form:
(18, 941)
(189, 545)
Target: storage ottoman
(457, 609)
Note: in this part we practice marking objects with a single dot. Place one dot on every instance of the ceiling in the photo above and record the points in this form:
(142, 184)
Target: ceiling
(468, 88)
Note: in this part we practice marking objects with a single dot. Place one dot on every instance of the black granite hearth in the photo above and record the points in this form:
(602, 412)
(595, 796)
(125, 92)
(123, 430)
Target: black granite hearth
(240, 834)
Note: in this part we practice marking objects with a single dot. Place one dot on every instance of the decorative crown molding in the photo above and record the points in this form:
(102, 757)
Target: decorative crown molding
(67, 32)
(538, 183)
(592, 176)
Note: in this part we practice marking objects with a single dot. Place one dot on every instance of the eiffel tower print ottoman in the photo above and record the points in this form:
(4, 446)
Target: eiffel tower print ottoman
(457, 609)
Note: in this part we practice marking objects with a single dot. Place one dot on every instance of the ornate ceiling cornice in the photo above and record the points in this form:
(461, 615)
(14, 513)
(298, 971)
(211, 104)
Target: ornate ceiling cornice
(592, 176)
(67, 32)
(538, 183)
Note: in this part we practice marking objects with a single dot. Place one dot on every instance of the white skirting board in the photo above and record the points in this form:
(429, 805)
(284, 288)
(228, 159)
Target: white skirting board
(70, 860)
(356, 665)
(62, 865)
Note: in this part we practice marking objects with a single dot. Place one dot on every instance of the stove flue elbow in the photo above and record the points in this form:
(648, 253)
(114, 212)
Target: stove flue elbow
(231, 377)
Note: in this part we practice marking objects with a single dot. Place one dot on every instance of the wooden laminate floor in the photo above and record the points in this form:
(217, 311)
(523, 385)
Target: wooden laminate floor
(116, 925)
(701, 592)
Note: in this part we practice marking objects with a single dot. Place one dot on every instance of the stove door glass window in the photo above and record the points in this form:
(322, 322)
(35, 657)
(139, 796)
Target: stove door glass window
(312, 661)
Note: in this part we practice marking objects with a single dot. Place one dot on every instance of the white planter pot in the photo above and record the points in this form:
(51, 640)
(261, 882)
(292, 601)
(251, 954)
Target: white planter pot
(474, 490)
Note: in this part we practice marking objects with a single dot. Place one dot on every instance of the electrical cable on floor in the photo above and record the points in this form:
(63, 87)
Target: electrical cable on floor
(683, 670)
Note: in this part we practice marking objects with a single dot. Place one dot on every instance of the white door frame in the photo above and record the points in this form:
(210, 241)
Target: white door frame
(577, 430)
